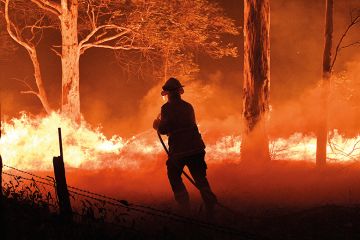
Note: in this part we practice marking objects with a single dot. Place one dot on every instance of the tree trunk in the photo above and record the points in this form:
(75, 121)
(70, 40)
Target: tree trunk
(322, 131)
(14, 34)
(256, 90)
(70, 61)
(39, 83)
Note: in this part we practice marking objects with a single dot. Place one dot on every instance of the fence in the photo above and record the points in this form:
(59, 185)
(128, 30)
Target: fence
(73, 203)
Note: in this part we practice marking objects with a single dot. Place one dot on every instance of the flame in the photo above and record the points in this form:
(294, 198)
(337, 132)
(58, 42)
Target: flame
(300, 147)
(31, 142)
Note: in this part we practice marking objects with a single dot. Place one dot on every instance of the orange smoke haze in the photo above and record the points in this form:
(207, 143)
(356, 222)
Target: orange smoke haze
(125, 104)
(281, 185)
(116, 152)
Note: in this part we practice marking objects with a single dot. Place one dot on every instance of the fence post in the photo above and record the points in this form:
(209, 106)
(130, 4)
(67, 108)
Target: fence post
(61, 185)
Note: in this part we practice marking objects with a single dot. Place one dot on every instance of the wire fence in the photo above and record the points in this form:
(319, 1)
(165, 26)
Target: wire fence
(90, 205)
(28, 189)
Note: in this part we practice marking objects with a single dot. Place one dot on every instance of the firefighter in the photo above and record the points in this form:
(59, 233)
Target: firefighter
(186, 147)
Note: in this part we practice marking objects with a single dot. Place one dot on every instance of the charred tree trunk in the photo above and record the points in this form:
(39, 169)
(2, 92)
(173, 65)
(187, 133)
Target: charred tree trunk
(70, 58)
(322, 131)
(255, 144)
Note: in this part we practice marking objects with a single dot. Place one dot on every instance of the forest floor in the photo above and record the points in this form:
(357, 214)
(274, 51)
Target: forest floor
(284, 200)
(21, 221)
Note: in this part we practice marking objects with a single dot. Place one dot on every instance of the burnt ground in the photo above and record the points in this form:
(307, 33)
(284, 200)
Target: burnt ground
(285, 200)
(23, 221)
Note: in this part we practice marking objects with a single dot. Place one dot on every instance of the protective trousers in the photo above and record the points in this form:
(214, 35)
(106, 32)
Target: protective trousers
(197, 167)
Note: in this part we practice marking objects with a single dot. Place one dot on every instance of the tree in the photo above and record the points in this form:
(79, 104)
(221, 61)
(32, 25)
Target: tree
(328, 66)
(184, 28)
(82, 24)
(28, 36)
(322, 130)
(256, 89)
(173, 29)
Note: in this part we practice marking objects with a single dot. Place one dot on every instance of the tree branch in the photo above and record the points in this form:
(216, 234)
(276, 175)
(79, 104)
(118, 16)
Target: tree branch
(13, 31)
(83, 45)
(31, 92)
(91, 16)
(124, 47)
(353, 22)
(351, 44)
(48, 6)
(23, 82)
(110, 38)
(30, 89)
(55, 51)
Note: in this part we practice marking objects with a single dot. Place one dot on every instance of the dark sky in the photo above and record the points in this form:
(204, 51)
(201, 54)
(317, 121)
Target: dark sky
(109, 96)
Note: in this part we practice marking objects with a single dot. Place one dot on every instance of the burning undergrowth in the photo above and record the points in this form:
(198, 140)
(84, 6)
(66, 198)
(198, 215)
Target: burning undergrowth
(134, 168)
(30, 143)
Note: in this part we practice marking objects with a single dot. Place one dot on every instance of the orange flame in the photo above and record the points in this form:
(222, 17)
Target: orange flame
(31, 142)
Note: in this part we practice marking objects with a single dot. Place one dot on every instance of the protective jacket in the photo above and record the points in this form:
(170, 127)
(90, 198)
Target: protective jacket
(178, 122)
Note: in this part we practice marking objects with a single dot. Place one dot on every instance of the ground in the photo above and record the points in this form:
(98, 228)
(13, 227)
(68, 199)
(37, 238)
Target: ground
(284, 200)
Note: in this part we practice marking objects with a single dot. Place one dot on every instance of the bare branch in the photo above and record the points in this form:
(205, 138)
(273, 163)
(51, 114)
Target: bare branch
(91, 15)
(110, 38)
(15, 34)
(85, 44)
(13, 31)
(48, 6)
(30, 89)
(33, 27)
(31, 92)
(351, 44)
(23, 82)
(123, 47)
(353, 22)
(56, 51)
(337, 150)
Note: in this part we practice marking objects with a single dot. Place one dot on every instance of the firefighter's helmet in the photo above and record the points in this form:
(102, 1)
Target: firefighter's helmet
(172, 85)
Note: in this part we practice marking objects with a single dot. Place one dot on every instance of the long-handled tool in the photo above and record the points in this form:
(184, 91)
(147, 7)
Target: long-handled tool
(183, 172)
(190, 178)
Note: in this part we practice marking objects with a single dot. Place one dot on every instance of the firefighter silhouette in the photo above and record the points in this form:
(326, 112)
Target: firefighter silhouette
(186, 147)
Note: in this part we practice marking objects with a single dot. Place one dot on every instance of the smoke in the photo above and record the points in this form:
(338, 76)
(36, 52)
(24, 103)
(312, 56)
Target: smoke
(300, 114)
(278, 186)
(126, 107)
(126, 104)
(296, 61)
(217, 108)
